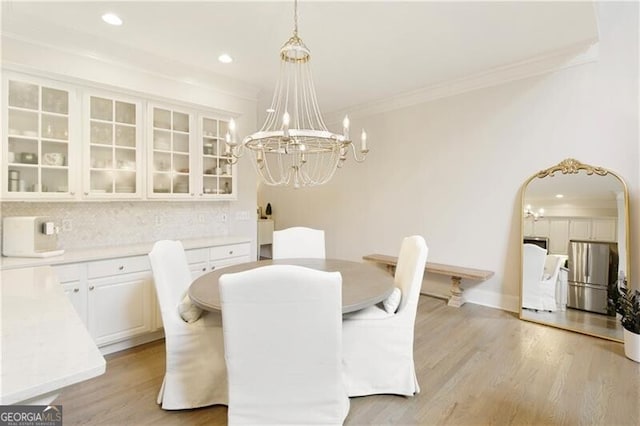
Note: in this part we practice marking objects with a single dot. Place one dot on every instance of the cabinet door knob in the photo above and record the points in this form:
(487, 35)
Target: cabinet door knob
(91, 287)
(86, 193)
(120, 268)
(75, 290)
(73, 193)
(204, 269)
(230, 251)
(213, 267)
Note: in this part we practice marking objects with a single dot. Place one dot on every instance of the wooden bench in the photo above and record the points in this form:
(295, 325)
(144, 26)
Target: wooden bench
(457, 273)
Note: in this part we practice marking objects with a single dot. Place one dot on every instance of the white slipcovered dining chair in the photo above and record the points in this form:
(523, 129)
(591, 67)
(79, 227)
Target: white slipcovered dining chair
(283, 346)
(378, 341)
(195, 374)
(540, 284)
(298, 242)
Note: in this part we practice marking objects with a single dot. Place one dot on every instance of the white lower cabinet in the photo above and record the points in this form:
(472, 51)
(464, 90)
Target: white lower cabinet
(120, 307)
(116, 299)
(204, 260)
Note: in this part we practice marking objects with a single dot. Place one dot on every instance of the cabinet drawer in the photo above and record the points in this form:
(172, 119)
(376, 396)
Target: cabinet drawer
(67, 273)
(123, 265)
(233, 250)
(197, 255)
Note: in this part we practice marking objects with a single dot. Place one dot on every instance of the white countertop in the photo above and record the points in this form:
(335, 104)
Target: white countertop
(99, 253)
(45, 345)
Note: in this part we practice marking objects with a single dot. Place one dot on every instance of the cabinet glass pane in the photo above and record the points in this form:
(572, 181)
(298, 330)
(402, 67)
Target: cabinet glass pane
(101, 109)
(55, 127)
(180, 122)
(125, 136)
(125, 159)
(161, 183)
(225, 185)
(161, 161)
(223, 128)
(209, 165)
(161, 140)
(101, 133)
(23, 123)
(125, 113)
(54, 180)
(161, 118)
(210, 147)
(101, 182)
(23, 179)
(101, 157)
(209, 127)
(180, 163)
(180, 142)
(23, 151)
(54, 153)
(54, 100)
(23, 95)
(125, 182)
(210, 185)
(181, 184)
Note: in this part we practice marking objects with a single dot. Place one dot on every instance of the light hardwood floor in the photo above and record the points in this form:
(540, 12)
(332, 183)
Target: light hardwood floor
(475, 365)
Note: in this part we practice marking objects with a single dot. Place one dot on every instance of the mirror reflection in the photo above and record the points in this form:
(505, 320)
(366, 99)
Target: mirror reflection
(575, 248)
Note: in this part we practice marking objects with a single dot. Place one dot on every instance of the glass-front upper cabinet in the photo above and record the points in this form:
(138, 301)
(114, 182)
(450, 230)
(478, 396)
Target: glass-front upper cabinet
(36, 146)
(217, 171)
(113, 157)
(170, 162)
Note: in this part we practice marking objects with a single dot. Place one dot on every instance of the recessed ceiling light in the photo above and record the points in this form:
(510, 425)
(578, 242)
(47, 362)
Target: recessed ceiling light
(112, 19)
(559, 196)
(225, 58)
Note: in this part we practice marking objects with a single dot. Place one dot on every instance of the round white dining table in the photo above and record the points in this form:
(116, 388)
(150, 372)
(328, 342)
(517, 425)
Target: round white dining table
(363, 284)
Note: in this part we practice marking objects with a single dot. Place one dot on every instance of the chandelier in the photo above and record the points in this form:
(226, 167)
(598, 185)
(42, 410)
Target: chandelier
(294, 146)
(530, 213)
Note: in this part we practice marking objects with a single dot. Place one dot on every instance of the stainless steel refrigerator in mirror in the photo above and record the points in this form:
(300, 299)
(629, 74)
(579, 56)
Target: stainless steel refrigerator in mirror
(593, 271)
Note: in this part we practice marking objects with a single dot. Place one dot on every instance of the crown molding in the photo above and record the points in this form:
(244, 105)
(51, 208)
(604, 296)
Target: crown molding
(582, 53)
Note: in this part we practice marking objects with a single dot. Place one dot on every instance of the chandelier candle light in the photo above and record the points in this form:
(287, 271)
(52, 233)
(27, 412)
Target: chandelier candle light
(294, 146)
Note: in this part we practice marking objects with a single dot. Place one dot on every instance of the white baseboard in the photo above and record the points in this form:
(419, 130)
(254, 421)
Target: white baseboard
(492, 299)
(131, 342)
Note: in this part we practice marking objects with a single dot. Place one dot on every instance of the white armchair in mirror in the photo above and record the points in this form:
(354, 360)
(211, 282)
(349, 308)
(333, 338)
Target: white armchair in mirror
(543, 285)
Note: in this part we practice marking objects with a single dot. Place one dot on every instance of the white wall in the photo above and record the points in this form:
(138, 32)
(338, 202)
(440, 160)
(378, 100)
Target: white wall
(452, 169)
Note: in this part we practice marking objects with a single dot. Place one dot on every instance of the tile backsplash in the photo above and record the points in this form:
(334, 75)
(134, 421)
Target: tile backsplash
(87, 225)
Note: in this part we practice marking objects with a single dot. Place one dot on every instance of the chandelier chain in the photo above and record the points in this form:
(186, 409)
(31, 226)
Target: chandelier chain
(295, 18)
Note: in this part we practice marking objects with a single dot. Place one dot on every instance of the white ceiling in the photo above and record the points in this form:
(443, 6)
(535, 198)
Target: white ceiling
(361, 51)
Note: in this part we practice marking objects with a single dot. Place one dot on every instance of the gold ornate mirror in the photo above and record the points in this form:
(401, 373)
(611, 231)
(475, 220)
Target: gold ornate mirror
(575, 248)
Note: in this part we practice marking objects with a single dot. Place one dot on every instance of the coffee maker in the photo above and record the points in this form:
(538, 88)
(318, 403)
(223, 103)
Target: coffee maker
(29, 236)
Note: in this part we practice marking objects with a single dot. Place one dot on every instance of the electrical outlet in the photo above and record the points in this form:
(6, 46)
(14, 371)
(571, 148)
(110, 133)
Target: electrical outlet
(67, 225)
(242, 215)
